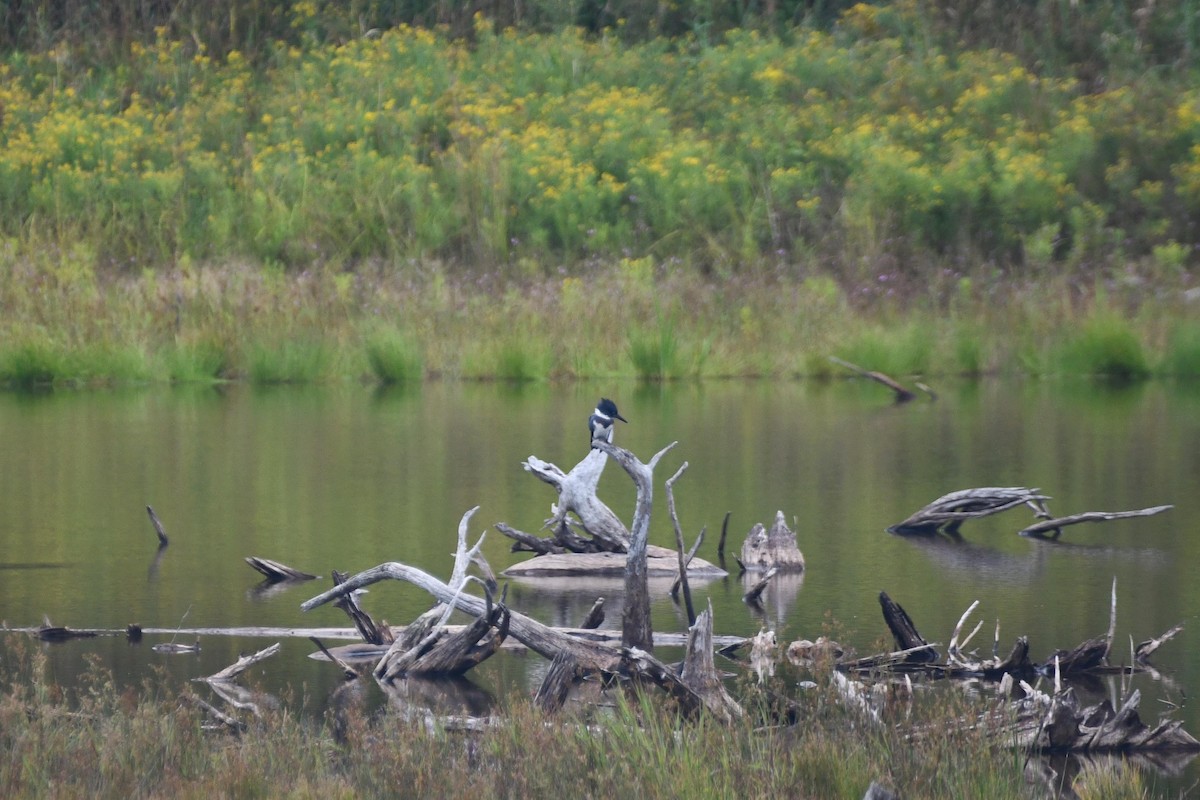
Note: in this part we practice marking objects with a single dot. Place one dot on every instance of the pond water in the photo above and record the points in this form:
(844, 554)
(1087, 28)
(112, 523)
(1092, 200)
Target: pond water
(348, 477)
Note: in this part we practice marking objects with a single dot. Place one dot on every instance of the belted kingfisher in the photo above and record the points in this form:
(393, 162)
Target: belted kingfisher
(600, 423)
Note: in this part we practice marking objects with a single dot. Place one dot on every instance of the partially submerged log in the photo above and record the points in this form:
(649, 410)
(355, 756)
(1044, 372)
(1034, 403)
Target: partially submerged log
(950, 511)
(660, 563)
(1053, 527)
(902, 394)
(163, 541)
(277, 572)
(772, 549)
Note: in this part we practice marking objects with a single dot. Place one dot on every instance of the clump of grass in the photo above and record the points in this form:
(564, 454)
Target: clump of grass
(654, 352)
(907, 351)
(1182, 356)
(1106, 346)
(202, 361)
(293, 361)
(31, 363)
(394, 357)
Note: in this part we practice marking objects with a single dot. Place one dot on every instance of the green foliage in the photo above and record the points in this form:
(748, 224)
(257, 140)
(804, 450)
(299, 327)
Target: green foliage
(292, 138)
(289, 361)
(31, 363)
(1182, 356)
(1105, 345)
(654, 352)
(202, 361)
(394, 357)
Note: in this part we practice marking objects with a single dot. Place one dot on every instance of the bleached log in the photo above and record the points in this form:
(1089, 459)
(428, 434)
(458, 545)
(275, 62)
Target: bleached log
(577, 494)
(1052, 528)
(902, 394)
(950, 511)
(275, 571)
(540, 638)
(242, 664)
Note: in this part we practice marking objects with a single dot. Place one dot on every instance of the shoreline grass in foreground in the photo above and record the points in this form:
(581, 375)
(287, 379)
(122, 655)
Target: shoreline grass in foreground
(102, 741)
(632, 318)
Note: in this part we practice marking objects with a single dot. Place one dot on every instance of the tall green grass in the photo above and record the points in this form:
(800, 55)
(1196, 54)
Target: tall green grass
(1104, 345)
(103, 740)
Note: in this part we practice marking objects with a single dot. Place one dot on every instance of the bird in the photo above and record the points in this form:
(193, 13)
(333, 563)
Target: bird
(600, 423)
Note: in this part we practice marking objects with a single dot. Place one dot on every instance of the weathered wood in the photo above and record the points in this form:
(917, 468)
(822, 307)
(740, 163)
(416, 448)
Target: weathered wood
(348, 671)
(449, 654)
(949, 511)
(635, 617)
(595, 617)
(905, 633)
(233, 723)
(1053, 527)
(660, 563)
(1143, 651)
(526, 542)
(577, 494)
(775, 548)
(59, 633)
(277, 572)
(163, 541)
(721, 541)
(699, 671)
(753, 596)
(366, 626)
(564, 673)
(1059, 723)
(684, 558)
(243, 663)
(902, 395)
(540, 638)
(687, 561)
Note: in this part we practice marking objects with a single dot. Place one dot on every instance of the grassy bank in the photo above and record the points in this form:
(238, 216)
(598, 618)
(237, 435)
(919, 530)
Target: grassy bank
(64, 323)
(105, 742)
(539, 202)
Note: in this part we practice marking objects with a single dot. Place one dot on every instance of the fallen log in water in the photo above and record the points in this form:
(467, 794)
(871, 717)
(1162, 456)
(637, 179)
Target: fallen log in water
(276, 572)
(1053, 527)
(950, 511)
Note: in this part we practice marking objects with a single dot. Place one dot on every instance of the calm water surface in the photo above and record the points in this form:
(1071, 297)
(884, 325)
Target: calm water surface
(349, 477)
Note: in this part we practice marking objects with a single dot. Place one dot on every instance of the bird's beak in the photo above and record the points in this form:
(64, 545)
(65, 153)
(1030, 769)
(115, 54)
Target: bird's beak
(618, 416)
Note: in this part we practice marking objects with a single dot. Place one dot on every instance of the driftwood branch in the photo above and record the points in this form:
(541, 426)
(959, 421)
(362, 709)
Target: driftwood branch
(276, 572)
(243, 663)
(635, 619)
(902, 394)
(577, 494)
(952, 510)
(1053, 527)
(684, 558)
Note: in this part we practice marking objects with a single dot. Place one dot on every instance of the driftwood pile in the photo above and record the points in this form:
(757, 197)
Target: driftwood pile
(949, 512)
(1034, 721)
(427, 648)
